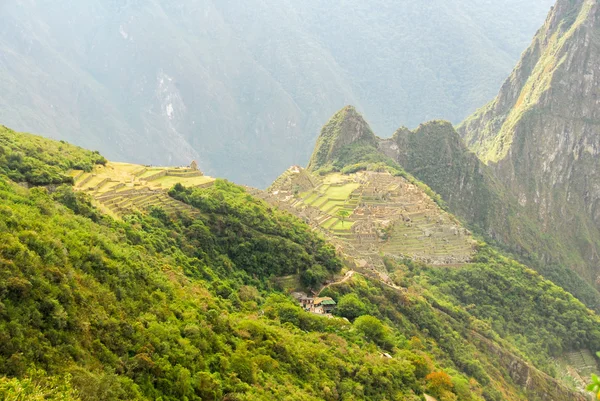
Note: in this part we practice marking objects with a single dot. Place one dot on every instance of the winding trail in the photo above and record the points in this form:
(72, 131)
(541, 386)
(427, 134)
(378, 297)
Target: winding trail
(346, 277)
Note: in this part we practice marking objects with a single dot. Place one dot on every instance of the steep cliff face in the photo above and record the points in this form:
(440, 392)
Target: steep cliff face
(435, 154)
(541, 135)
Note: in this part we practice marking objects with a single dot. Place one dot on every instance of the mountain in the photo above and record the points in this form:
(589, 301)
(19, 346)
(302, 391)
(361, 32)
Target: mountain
(458, 181)
(243, 86)
(390, 227)
(526, 179)
(435, 154)
(190, 303)
(345, 131)
(539, 137)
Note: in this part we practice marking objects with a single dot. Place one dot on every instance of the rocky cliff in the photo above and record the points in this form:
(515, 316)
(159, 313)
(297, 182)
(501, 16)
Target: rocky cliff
(541, 135)
(435, 154)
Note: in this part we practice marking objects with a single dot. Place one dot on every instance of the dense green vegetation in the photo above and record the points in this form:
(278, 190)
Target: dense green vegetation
(497, 297)
(261, 240)
(537, 316)
(173, 308)
(148, 308)
(436, 155)
(181, 307)
(40, 161)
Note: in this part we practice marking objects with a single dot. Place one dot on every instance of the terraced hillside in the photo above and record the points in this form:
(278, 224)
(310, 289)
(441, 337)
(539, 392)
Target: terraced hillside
(118, 188)
(374, 214)
(577, 367)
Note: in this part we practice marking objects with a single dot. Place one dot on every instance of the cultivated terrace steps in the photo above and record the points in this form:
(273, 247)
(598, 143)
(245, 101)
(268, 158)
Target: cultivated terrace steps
(370, 214)
(122, 188)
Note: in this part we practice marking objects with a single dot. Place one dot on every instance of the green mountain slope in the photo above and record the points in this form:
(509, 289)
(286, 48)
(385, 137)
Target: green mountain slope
(182, 307)
(539, 136)
(243, 86)
(435, 154)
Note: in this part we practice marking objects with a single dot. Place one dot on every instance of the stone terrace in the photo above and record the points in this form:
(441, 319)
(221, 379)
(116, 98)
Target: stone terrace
(386, 215)
(120, 188)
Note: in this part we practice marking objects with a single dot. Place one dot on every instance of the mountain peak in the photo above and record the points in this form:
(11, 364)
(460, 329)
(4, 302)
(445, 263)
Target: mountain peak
(540, 135)
(347, 128)
(554, 76)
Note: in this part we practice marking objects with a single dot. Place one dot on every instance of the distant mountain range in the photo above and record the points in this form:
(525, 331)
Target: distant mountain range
(242, 86)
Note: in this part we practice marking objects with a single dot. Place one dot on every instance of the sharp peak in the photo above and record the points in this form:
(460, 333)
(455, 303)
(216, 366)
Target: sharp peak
(344, 128)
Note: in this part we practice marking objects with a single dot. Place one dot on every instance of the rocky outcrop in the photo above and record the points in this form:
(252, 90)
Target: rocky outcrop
(541, 135)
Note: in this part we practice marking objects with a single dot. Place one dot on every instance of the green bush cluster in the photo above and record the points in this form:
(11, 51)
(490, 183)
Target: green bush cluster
(40, 161)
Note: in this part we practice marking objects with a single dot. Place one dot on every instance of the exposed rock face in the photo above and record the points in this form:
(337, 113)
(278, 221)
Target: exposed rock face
(435, 154)
(541, 135)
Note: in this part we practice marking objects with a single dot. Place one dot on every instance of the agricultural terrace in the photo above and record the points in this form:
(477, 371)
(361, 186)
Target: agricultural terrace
(119, 188)
(372, 214)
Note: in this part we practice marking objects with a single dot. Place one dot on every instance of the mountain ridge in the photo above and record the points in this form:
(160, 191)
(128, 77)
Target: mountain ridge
(540, 134)
(435, 154)
(181, 304)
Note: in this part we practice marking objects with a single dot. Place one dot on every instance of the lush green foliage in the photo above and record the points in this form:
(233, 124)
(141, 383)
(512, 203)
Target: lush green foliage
(350, 306)
(145, 309)
(37, 387)
(180, 307)
(40, 161)
(435, 154)
(259, 239)
(538, 317)
(594, 386)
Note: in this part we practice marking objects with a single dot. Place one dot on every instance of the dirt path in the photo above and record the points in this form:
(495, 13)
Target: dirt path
(346, 277)
(429, 398)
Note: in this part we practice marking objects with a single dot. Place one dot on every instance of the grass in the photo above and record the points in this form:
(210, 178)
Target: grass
(124, 175)
(168, 181)
(342, 192)
(328, 204)
(329, 223)
(342, 225)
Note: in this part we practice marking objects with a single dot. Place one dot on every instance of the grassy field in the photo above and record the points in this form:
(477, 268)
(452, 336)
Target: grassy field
(342, 192)
(342, 225)
(168, 181)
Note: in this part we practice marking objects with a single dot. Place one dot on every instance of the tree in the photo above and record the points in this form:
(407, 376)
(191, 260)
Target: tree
(371, 328)
(439, 383)
(343, 214)
(313, 276)
(350, 306)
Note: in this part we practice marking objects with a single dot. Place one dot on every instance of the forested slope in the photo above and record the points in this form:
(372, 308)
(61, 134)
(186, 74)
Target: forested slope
(173, 307)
